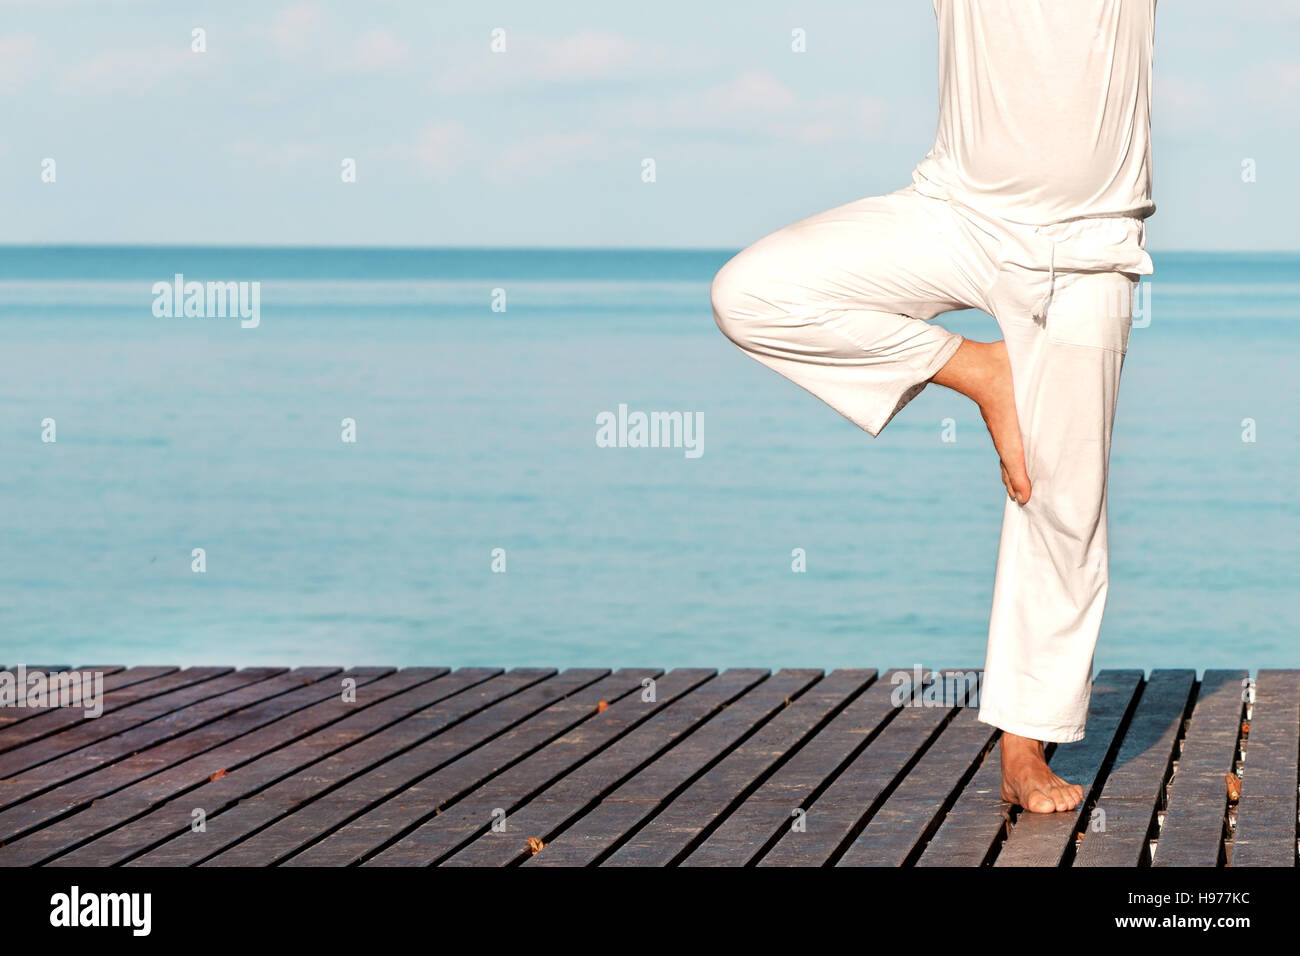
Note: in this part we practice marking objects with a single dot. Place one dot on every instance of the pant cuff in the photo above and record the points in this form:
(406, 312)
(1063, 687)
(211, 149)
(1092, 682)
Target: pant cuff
(1048, 733)
(908, 389)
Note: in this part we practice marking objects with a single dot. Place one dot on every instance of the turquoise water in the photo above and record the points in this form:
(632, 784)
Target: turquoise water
(476, 431)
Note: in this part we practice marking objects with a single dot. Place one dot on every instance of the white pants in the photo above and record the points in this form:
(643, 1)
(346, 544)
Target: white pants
(838, 304)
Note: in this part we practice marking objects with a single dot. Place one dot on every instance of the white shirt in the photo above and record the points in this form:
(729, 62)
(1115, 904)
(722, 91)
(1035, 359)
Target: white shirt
(1044, 109)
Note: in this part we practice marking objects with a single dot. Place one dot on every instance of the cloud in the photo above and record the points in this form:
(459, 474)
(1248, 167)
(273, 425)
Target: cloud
(286, 155)
(582, 56)
(753, 103)
(1268, 10)
(752, 91)
(531, 59)
(130, 71)
(541, 152)
(303, 28)
(377, 50)
(442, 147)
(17, 56)
(298, 27)
(756, 102)
(1190, 104)
(1276, 82)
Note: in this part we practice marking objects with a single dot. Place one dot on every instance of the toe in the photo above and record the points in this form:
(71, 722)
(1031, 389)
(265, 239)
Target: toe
(1068, 797)
(1040, 802)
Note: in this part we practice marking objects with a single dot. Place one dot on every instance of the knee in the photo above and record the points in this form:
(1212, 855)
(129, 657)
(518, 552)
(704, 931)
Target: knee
(735, 304)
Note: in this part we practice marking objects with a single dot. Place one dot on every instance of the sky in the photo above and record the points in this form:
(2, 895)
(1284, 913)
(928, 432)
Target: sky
(544, 144)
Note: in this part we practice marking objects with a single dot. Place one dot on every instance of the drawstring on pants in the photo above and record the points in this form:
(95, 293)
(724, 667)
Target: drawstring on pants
(1041, 313)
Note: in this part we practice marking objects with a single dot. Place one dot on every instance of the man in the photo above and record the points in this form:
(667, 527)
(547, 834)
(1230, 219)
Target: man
(1030, 206)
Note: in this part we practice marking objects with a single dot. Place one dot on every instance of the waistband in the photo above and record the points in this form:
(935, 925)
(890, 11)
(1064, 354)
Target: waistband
(1101, 244)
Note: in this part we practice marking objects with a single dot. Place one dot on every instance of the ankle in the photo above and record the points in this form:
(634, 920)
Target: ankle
(1018, 746)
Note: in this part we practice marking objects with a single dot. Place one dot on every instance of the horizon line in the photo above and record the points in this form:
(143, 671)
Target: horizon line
(326, 247)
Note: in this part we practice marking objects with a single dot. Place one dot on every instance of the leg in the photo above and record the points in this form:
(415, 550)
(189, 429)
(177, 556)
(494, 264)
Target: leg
(1052, 573)
(837, 302)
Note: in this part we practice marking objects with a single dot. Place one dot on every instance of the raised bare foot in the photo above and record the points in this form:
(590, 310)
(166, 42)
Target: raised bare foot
(982, 372)
(1028, 782)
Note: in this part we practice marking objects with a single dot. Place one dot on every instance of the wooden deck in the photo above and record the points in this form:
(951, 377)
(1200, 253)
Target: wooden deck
(212, 766)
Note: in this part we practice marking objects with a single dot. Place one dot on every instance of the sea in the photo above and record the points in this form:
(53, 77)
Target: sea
(431, 457)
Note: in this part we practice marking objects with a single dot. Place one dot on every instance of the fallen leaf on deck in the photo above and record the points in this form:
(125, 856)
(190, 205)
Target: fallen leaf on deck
(1234, 785)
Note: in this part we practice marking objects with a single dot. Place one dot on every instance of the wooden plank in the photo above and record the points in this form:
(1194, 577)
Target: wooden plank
(410, 806)
(166, 830)
(705, 774)
(123, 704)
(11, 714)
(469, 691)
(766, 812)
(1047, 839)
(384, 701)
(1266, 812)
(306, 710)
(462, 821)
(567, 798)
(88, 739)
(969, 833)
(54, 734)
(592, 836)
(914, 811)
(672, 833)
(58, 789)
(1142, 764)
(902, 728)
(324, 814)
(1192, 834)
(1117, 832)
